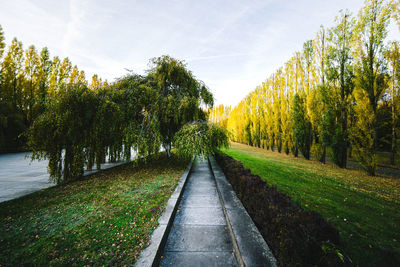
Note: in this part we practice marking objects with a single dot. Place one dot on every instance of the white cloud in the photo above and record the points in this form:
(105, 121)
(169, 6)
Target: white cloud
(232, 46)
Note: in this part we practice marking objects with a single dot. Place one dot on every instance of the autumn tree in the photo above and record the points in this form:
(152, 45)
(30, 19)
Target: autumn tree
(315, 103)
(302, 129)
(339, 72)
(219, 115)
(44, 70)
(392, 55)
(12, 96)
(371, 78)
(32, 78)
(2, 42)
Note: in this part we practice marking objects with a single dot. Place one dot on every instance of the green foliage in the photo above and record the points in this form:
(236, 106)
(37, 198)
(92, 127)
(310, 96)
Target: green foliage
(302, 126)
(317, 150)
(326, 75)
(62, 132)
(200, 139)
(2, 42)
(362, 135)
(371, 78)
(179, 96)
(82, 125)
(340, 76)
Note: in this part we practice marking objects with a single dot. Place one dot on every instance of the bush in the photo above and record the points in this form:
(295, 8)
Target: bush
(297, 237)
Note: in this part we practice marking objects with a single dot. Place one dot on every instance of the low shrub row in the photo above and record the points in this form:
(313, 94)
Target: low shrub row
(296, 236)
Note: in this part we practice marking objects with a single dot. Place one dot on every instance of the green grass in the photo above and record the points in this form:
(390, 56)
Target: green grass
(106, 219)
(365, 209)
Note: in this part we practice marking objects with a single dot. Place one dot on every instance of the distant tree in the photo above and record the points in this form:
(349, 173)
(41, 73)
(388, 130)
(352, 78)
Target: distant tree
(96, 82)
(32, 79)
(73, 77)
(43, 80)
(219, 115)
(276, 107)
(396, 12)
(302, 130)
(11, 94)
(269, 113)
(315, 105)
(200, 138)
(2, 42)
(64, 73)
(13, 75)
(54, 77)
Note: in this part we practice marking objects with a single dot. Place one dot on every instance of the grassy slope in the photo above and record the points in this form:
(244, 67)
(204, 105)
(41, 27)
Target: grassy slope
(365, 209)
(106, 219)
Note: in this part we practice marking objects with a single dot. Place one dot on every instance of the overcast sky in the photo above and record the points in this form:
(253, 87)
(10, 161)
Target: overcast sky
(231, 45)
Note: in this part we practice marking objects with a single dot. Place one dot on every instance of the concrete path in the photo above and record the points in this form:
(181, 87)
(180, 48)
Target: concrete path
(199, 235)
(19, 176)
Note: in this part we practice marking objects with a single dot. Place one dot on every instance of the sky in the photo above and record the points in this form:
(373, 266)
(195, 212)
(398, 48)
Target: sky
(232, 46)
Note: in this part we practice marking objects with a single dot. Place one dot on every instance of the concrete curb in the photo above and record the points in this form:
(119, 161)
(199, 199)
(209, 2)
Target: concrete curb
(151, 255)
(253, 250)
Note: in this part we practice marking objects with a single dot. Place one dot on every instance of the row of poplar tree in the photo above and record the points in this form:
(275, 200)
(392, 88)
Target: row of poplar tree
(47, 106)
(341, 91)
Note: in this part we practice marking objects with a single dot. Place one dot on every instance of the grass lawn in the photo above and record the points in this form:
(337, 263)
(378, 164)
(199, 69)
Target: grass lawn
(365, 209)
(106, 219)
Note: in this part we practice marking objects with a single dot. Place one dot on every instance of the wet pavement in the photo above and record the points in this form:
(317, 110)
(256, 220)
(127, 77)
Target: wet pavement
(20, 176)
(199, 235)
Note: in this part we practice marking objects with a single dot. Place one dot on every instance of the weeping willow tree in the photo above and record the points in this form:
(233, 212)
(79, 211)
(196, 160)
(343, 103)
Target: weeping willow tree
(61, 134)
(200, 138)
(178, 98)
(83, 125)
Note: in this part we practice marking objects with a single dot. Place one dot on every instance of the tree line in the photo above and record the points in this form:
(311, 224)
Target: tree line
(47, 106)
(340, 92)
(28, 80)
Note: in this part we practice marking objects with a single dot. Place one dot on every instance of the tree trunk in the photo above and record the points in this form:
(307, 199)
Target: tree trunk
(393, 150)
(287, 148)
(168, 149)
(323, 157)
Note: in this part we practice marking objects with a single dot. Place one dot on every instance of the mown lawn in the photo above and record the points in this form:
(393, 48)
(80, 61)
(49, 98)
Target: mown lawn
(106, 219)
(365, 209)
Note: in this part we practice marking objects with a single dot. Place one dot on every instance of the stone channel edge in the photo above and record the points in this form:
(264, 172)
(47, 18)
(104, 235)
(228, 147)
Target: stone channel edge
(151, 256)
(251, 246)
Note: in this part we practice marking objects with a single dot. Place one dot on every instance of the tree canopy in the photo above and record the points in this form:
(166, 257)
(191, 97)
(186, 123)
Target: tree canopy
(340, 92)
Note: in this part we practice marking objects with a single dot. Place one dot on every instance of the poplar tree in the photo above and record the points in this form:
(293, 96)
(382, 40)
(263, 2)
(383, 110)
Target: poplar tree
(371, 78)
(339, 72)
(32, 79)
(12, 84)
(2, 42)
(54, 77)
(392, 55)
(43, 80)
(316, 104)
(276, 98)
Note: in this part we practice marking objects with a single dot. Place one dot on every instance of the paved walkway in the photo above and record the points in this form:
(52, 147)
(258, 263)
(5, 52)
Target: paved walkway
(199, 235)
(19, 176)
